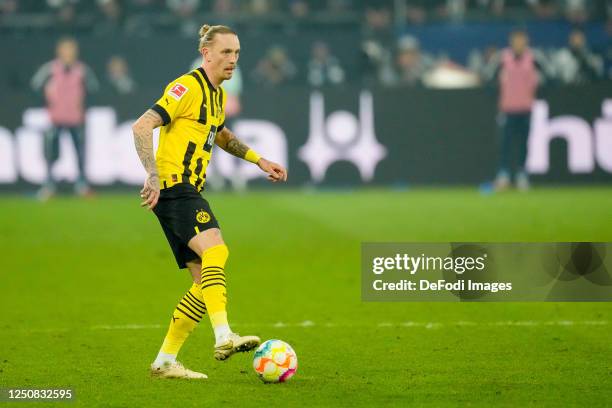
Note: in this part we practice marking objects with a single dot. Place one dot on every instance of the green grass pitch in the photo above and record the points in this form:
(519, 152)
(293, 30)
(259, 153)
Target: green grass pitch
(88, 288)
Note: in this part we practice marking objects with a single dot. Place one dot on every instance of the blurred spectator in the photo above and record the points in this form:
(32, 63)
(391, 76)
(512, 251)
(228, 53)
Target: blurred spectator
(323, 67)
(419, 11)
(8, 7)
(576, 64)
(411, 64)
(299, 8)
(514, 8)
(223, 6)
(376, 63)
(111, 18)
(65, 80)
(577, 11)
(544, 8)
(457, 9)
(118, 75)
(185, 11)
(139, 17)
(453, 9)
(275, 68)
(260, 7)
(416, 12)
(183, 8)
(376, 57)
(377, 22)
(545, 68)
(478, 61)
(65, 11)
(517, 73)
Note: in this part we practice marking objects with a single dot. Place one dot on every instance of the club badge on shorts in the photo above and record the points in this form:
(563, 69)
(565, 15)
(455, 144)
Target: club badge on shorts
(202, 217)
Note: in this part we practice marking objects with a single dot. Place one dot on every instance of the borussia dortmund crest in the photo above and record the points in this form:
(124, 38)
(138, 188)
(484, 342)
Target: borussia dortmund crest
(202, 217)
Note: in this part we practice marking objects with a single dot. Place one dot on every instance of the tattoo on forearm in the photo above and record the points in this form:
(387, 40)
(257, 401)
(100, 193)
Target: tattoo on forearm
(237, 148)
(143, 139)
(144, 147)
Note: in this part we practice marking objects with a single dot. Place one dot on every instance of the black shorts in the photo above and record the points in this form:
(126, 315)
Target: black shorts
(183, 213)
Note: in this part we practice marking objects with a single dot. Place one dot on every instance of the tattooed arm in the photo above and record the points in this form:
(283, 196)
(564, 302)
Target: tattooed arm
(226, 140)
(143, 140)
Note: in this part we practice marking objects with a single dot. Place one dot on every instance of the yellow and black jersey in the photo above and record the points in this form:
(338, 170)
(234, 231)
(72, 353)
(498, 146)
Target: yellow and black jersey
(193, 112)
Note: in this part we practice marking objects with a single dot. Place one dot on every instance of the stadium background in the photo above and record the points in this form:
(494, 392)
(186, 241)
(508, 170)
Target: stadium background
(88, 284)
(445, 136)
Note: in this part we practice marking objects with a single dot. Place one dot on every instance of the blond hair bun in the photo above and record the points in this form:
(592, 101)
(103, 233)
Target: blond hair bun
(203, 30)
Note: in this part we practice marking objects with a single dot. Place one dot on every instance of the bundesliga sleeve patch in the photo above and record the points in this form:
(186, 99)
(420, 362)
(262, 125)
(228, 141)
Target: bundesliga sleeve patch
(177, 91)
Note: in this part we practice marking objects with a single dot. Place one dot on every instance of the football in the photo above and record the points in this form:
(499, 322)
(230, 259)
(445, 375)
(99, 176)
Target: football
(275, 361)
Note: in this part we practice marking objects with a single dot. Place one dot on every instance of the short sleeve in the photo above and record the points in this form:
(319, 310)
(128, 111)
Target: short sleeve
(176, 100)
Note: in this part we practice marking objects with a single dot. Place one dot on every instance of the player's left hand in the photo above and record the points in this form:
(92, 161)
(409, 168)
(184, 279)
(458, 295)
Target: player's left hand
(150, 191)
(275, 171)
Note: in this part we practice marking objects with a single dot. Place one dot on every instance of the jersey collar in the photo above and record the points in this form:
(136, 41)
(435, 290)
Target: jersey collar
(210, 85)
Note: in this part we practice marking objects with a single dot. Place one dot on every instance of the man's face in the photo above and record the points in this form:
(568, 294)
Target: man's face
(320, 52)
(408, 58)
(577, 40)
(519, 42)
(222, 55)
(67, 51)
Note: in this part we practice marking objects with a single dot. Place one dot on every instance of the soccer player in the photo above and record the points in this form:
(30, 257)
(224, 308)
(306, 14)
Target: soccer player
(191, 113)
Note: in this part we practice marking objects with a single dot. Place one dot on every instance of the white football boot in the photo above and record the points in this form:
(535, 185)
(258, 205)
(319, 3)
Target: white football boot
(175, 370)
(234, 343)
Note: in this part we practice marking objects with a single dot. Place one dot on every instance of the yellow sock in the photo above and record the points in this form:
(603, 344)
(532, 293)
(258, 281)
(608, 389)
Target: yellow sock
(213, 287)
(185, 318)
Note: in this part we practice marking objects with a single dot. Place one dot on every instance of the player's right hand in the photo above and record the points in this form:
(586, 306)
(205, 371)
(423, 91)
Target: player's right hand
(150, 191)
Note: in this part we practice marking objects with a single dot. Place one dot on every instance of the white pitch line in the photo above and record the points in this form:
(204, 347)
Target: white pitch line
(595, 322)
(425, 325)
(127, 327)
(310, 323)
(464, 323)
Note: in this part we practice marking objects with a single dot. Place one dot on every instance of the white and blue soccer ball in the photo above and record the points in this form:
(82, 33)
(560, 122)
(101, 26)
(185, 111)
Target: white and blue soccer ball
(275, 361)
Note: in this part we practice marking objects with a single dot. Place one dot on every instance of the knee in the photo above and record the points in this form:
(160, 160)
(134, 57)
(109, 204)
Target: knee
(214, 238)
(195, 269)
(196, 278)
